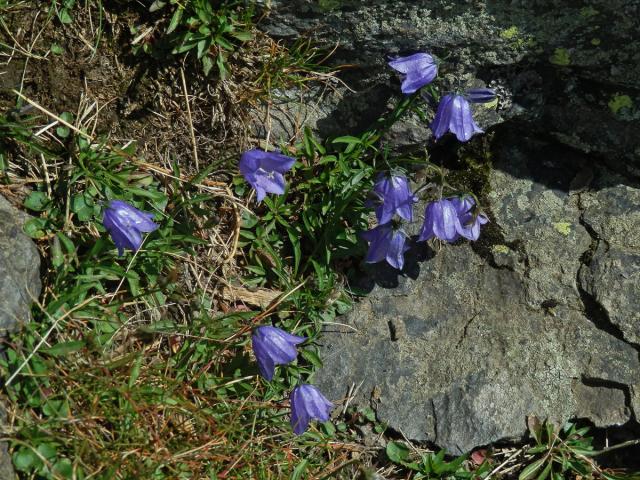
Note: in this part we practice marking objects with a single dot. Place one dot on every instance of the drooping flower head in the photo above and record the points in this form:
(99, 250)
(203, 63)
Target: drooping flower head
(386, 242)
(454, 115)
(126, 224)
(264, 171)
(470, 221)
(273, 346)
(417, 71)
(394, 197)
(440, 221)
(308, 403)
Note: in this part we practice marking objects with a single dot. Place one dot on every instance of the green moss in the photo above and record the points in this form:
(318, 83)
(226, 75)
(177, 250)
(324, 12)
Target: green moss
(561, 56)
(588, 12)
(510, 33)
(563, 228)
(618, 102)
(502, 249)
(328, 5)
(595, 41)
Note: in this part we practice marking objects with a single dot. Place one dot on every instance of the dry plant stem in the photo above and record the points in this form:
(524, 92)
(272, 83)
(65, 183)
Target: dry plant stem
(267, 311)
(499, 467)
(52, 115)
(193, 136)
(46, 335)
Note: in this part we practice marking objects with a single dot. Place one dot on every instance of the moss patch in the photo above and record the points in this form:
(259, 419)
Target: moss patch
(560, 56)
(618, 102)
(563, 228)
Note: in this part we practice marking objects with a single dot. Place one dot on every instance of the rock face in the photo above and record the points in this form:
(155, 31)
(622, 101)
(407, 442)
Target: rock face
(19, 269)
(19, 285)
(541, 316)
(537, 318)
(555, 63)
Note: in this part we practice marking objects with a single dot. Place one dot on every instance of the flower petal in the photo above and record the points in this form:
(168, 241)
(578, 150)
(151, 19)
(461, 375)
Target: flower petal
(270, 182)
(440, 124)
(396, 249)
(461, 122)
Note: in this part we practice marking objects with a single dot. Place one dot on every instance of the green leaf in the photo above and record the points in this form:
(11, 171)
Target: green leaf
(64, 348)
(157, 5)
(348, 139)
(56, 49)
(80, 208)
(312, 357)
(135, 371)
(242, 35)
(221, 66)
(56, 408)
(175, 19)
(299, 470)
(531, 470)
(397, 452)
(63, 468)
(47, 450)
(65, 16)
(545, 473)
(26, 460)
(57, 257)
(34, 227)
(36, 201)
(207, 65)
(62, 130)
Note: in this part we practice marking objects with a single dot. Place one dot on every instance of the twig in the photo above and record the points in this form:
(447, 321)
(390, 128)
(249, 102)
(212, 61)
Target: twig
(499, 467)
(46, 335)
(52, 115)
(193, 136)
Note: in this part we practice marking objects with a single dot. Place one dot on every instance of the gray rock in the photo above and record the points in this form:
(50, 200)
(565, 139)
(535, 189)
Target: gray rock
(466, 344)
(19, 269)
(553, 63)
(612, 277)
(19, 286)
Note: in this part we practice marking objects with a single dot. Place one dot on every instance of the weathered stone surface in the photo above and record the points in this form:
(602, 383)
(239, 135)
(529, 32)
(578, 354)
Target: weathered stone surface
(19, 285)
(466, 344)
(19, 269)
(612, 276)
(554, 63)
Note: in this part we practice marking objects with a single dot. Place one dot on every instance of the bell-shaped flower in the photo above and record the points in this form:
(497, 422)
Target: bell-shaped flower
(308, 403)
(265, 171)
(126, 224)
(273, 346)
(480, 95)
(386, 242)
(392, 195)
(454, 115)
(417, 70)
(470, 221)
(440, 221)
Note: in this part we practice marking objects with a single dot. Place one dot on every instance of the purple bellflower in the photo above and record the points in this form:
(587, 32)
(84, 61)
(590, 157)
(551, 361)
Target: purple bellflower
(454, 115)
(480, 95)
(386, 243)
(264, 171)
(440, 221)
(417, 71)
(273, 346)
(469, 221)
(308, 403)
(126, 223)
(393, 196)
